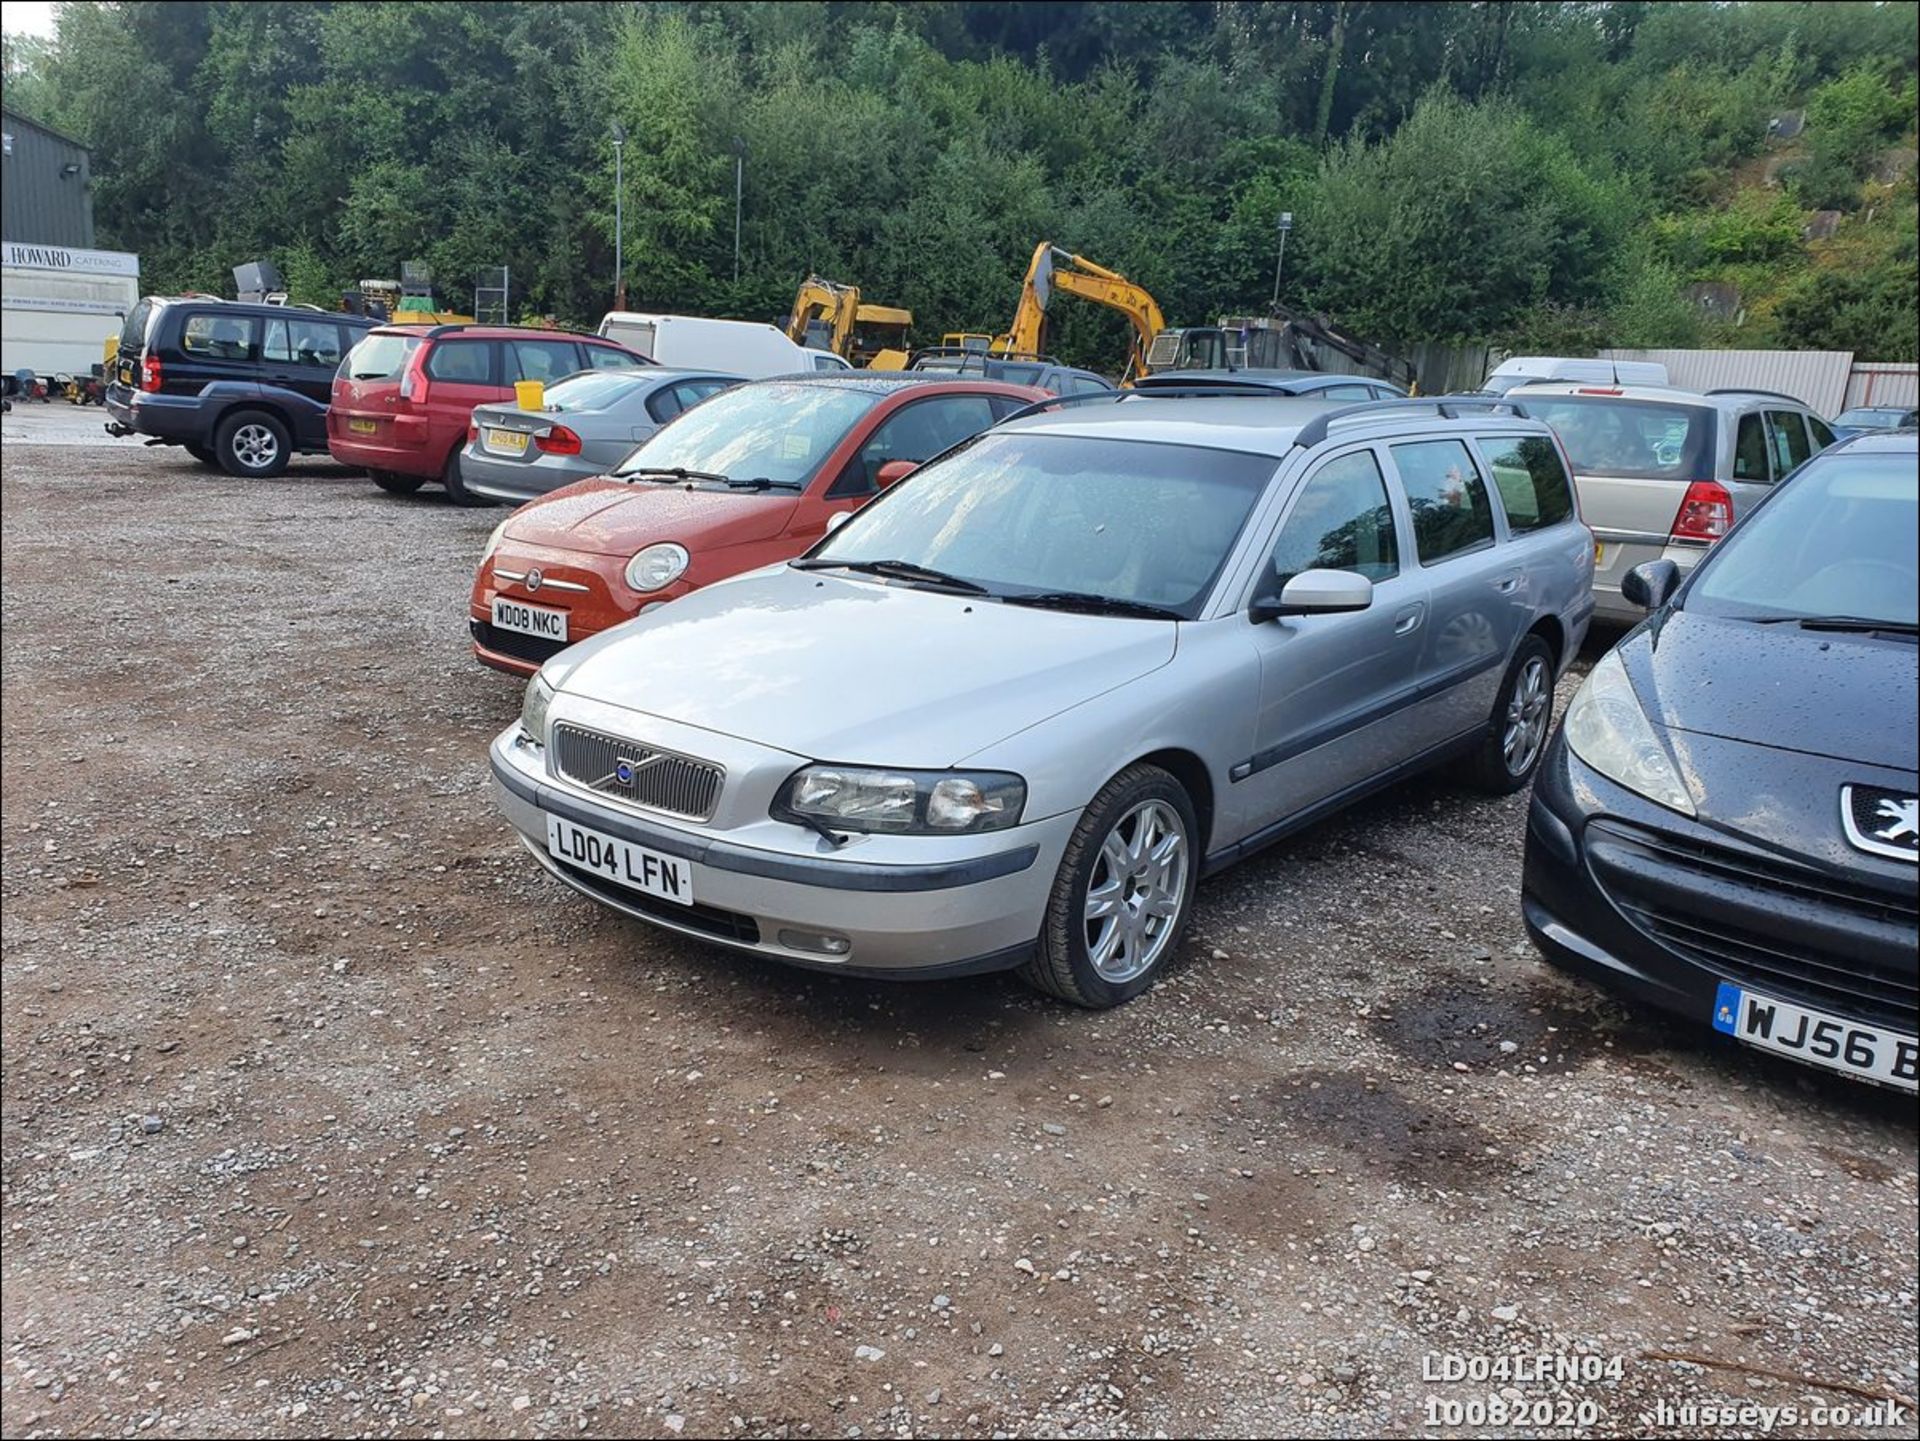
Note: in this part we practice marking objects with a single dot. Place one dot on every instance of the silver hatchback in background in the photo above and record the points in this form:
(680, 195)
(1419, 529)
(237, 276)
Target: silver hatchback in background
(1664, 473)
(1011, 712)
(590, 423)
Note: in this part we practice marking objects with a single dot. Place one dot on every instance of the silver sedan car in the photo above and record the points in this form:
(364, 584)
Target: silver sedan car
(1012, 712)
(590, 423)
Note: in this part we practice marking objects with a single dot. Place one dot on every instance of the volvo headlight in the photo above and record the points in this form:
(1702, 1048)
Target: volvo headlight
(657, 566)
(533, 710)
(902, 802)
(1607, 729)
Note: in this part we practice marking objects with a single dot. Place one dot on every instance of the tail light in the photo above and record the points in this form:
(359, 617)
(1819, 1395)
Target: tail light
(413, 376)
(473, 431)
(558, 441)
(150, 373)
(1706, 513)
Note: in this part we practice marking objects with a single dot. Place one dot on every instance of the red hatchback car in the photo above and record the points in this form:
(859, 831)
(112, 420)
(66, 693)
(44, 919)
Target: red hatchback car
(403, 396)
(746, 478)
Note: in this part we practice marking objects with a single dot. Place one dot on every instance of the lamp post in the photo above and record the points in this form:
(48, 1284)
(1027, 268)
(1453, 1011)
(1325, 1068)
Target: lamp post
(1285, 224)
(739, 177)
(619, 219)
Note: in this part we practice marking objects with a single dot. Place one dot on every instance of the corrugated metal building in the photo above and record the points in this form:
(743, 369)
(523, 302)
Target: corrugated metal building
(46, 195)
(1828, 380)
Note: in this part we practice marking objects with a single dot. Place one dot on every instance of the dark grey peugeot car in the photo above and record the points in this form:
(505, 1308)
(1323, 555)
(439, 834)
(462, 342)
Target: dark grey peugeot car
(1727, 823)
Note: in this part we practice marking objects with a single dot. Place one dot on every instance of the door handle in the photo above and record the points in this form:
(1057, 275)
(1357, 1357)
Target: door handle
(1405, 622)
(1508, 585)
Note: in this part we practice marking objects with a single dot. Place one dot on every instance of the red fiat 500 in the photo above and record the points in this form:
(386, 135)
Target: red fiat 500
(746, 478)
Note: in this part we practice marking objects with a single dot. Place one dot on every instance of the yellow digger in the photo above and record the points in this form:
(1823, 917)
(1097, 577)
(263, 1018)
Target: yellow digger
(1053, 269)
(830, 316)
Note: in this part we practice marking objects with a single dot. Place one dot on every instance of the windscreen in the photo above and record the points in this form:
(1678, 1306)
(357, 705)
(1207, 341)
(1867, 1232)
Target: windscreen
(1632, 439)
(1026, 512)
(1841, 539)
(778, 432)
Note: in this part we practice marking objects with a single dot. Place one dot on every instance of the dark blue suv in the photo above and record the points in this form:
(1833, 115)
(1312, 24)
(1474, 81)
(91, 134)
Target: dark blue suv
(241, 386)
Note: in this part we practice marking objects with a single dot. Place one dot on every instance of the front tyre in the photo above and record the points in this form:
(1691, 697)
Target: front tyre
(1517, 733)
(204, 454)
(394, 483)
(1123, 894)
(252, 443)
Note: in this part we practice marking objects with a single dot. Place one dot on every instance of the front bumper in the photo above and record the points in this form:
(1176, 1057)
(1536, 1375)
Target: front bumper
(960, 906)
(1664, 908)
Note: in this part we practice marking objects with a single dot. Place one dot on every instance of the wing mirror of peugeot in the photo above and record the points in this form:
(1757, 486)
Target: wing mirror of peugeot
(1316, 592)
(1650, 585)
(895, 470)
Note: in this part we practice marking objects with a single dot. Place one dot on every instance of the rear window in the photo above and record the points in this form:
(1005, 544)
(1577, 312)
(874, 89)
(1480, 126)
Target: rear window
(634, 335)
(593, 390)
(1632, 439)
(606, 357)
(133, 334)
(548, 360)
(379, 357)
(1533, 485)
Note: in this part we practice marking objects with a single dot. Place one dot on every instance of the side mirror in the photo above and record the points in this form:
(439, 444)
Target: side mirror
(895, 470)
(1650, 585)
(1316, 592)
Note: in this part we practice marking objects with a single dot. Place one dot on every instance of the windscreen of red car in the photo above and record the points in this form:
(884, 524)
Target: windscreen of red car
(779, 432)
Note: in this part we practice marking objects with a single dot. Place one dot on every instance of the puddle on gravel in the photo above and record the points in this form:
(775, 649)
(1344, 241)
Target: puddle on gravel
(1385, 1128)
(1452, 1022)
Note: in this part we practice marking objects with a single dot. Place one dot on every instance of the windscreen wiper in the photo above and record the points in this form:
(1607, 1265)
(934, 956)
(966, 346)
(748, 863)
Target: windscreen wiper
(894, 570)
(672, 472)
(1093, 604)
(1858, 623)
(762, 482)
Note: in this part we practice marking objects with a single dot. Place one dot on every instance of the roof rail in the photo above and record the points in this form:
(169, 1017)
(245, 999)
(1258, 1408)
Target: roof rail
(1749, 390)
(1315, 430)
(434, 332)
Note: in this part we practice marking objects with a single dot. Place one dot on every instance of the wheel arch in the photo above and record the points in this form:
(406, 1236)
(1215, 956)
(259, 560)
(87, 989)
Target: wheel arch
(1191, 771)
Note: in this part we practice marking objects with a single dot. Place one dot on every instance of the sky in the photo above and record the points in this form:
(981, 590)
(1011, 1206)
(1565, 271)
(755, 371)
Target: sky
(19, 17)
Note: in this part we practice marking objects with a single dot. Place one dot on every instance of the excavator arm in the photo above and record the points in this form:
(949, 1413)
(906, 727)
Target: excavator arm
(823, 310)
(1053, 269)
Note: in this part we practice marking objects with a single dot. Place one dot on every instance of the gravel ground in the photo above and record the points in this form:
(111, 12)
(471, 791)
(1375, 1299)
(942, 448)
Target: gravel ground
(326, 1113)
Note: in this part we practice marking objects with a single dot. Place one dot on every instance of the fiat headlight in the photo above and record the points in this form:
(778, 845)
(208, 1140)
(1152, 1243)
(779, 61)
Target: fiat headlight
(498, 534)
(1607, 729)
(533, 710)
(656, 567)
(902, 802)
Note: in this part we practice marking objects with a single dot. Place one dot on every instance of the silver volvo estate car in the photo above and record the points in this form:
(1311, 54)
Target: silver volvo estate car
(1014, 710)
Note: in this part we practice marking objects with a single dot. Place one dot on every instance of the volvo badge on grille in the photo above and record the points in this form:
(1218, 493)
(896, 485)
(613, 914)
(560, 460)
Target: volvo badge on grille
(624, 770)
(1881, 821)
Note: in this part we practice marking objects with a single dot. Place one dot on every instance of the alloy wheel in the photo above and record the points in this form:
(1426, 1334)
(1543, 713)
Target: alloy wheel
(1528, 711)
(255, 446)
(1135, 892)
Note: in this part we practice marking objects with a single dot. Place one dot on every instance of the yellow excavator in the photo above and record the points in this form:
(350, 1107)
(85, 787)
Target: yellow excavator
(1053, 269)
(830, 316)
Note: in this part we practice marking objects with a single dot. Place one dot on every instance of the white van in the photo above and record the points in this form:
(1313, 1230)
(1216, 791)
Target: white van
(732, 347)
(1540, 369)
(58, 305)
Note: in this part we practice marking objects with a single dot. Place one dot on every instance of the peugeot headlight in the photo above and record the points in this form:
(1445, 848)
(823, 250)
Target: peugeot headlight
(902, 802)
(533, 710)
(1607, 729)
(493, 541)
(657, 566)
